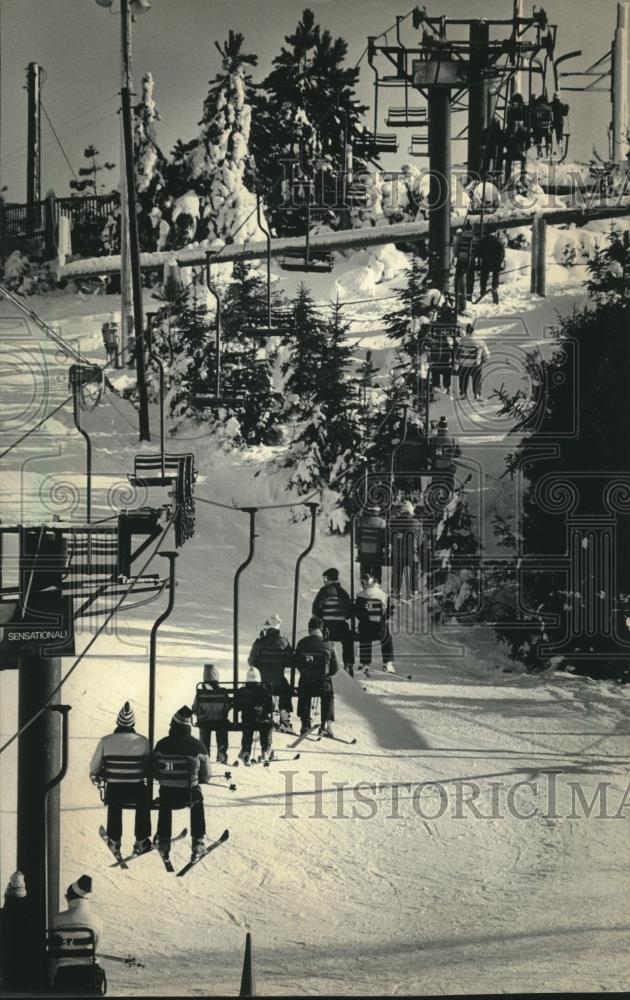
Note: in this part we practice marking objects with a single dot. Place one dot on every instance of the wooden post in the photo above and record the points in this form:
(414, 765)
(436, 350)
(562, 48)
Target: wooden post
(534, 252)
(50, 227)
(542, 257)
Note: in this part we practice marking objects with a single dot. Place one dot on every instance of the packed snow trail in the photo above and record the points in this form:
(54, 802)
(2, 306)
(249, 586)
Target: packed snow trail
(397, 903)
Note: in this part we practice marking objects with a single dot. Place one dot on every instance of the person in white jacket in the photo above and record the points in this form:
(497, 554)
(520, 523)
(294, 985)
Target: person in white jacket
(373, 611)
(76, 972)
(124, 742)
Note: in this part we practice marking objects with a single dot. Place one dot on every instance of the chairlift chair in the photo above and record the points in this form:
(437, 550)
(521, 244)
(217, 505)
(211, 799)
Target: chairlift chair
(368, 143)
(406, 117)
(119, 770)
(419, 145)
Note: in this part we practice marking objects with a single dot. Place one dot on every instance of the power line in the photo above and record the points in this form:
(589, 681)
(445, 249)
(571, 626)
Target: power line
(52, 128)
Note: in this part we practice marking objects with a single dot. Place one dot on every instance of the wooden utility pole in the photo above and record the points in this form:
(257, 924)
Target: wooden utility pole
(33, 139)
(134, 247)
(126, 286)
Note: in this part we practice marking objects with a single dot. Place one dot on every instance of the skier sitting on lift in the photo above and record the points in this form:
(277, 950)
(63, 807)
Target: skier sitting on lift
(371, 542)
(124, 742)
(405, 530)
(332, 604)
(211, 707)
(317, 663)
(181, 743)
(272, 655)
(255, 703)
(373, 609)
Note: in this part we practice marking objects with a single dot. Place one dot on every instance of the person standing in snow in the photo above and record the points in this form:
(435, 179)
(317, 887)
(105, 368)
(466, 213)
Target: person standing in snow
(255, 703)
(211, 707)
(333, 605)
(317, 664)
(124, 742)
(16, 937)
(272, 654)
(373, 610)
(472, 354)
(372, 541)
(77, 973)
(181, 743)
(491, 259)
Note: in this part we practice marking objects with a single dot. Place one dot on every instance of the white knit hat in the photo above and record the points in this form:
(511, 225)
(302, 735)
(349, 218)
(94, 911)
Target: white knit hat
(253, 675)
(16, 886)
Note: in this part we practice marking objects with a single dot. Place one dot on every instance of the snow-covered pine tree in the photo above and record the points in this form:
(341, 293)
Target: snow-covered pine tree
(331, 434)
(302, 111)
(400, 327)
(308, 345)
(247, 365)
(214, 166)
(150, 169)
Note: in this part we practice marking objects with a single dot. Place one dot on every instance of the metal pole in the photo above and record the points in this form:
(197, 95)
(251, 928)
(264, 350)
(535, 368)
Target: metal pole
(171, 556)
(138, 313)
(534, 254)
(296, 582)
(477, 94)
(250, 555)
(439, 186)
(88, 443)
(38, 764)
(126, 287)
(542, 255)
(352, 545)
(217, 328)
(33, 139)
(52, 794)
(620, 86)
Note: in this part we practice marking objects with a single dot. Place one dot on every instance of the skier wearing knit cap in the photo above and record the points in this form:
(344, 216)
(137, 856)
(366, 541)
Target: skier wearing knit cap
(211, 707)
(271, 654)
(255, 703)
(16, 936)
(333, 605)
(124, 742)
(180, 742)
(316, 661)
(77, 972)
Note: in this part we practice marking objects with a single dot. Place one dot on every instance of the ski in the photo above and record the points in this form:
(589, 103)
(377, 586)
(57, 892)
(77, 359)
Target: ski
(141, 854)
(304, 736)
(339, 739)
(129, 960)
(166, 861)
(120, 861)
(217, 843)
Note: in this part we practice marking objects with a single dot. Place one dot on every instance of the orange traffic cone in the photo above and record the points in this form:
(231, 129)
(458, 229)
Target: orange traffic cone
(248, 985)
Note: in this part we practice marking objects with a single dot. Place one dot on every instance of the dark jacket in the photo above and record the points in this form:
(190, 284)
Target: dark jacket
(332, 603)
(17, 943)
(255, 703)
(181, 743)
(272, 654)
(316, 662)
(491, 251)
(371, 537)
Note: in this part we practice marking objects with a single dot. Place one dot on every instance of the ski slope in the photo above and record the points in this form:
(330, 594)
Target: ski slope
(337, 903)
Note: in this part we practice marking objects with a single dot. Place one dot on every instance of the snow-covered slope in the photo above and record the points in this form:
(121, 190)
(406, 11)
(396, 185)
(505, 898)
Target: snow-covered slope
(423, 896)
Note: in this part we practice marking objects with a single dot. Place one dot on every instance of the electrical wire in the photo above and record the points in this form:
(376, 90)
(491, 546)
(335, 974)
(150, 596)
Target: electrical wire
(81, 655)
(52, 127)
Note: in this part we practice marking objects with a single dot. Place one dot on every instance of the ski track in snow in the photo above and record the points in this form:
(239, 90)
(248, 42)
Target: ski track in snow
(335, 903)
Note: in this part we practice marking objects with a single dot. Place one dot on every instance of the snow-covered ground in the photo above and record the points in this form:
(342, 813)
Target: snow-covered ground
(405, 891)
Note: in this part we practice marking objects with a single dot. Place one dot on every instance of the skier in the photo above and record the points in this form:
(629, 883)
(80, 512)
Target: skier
(272, 655)
(255, 703)
(77, 973)
(559, 111)
(542, 123)
(405, 533)
(332, 604)
(16, 936)
(492, 141)
(445, 448)
(211, 707)
(464, 253)
(180, 742)
(492, 259)
(471, 356)
(109, 332)
(373, 609)
(441, 346)
(316, 661)
(371, 541)
(516, 135)
(124, 742)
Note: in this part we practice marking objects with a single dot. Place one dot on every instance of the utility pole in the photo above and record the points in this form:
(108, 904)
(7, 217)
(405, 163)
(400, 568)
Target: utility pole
(136, 277)
(620, 76)
(126, 286)
(34, 129)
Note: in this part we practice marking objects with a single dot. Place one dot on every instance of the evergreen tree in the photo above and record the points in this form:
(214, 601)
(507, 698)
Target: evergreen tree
(302, 111)
(150, 168)
(214, 166)
(331, 433)
(90, 174)
(582, 386)
(308, 346)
